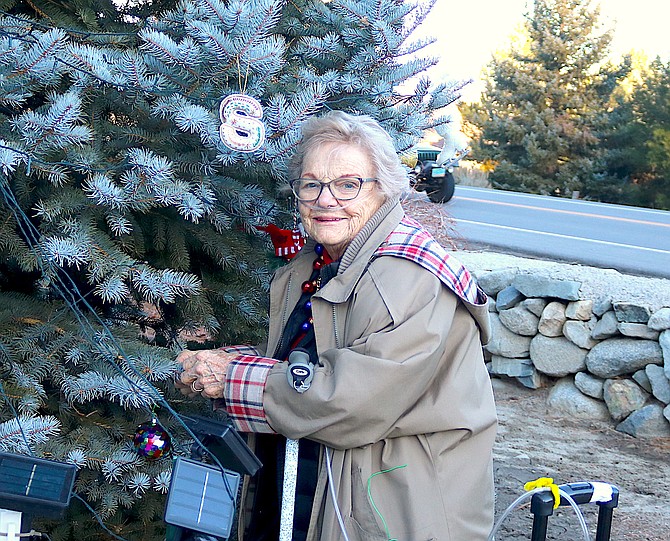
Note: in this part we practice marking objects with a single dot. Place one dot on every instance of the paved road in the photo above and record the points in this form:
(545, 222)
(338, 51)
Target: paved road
(630, 239)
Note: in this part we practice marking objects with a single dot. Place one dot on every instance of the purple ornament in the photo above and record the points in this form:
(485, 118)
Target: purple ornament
(151, 440)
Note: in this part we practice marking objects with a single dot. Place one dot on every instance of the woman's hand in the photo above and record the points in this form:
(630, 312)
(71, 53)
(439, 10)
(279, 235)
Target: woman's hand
(204, 372)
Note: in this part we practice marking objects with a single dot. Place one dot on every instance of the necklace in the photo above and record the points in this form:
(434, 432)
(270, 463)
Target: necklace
(312, 285)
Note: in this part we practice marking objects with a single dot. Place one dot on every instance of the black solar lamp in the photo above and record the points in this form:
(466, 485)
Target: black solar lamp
(34, 486)
(223, 441)
(29, 484)
(202, 497)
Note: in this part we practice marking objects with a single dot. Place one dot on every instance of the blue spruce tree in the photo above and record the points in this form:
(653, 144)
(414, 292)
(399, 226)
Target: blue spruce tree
(128, 228)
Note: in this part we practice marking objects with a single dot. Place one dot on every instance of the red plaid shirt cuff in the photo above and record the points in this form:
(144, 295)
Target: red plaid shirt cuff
(241, 350)
(245, 383)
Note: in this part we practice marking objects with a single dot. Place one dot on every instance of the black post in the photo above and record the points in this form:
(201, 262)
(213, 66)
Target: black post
(539, 532)
(542, 506)
(605, 512)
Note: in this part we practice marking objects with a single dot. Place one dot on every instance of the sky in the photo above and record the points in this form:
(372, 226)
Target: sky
(469, 32)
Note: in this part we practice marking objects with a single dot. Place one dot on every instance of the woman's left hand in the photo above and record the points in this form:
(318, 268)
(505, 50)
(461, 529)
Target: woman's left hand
(204, 372)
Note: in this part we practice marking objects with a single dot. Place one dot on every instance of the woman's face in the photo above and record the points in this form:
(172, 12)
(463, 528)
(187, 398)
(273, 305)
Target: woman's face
(327, 220)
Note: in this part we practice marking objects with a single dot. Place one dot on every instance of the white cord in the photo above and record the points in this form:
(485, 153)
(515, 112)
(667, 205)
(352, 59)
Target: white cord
(579, 513)
(528, 495)
(331, 487)
(510, 508)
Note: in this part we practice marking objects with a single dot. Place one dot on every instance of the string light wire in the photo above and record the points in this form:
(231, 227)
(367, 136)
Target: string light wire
(16, 416)
(72, 296)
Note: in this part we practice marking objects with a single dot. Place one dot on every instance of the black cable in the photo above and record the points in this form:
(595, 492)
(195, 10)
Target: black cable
(98, 519)
(31, 234)
(16, 416)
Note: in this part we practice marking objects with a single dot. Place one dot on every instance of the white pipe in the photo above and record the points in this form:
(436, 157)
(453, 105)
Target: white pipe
(288, 490)
(10, 525)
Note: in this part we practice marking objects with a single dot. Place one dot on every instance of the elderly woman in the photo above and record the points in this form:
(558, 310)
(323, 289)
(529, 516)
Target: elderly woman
(391, 402)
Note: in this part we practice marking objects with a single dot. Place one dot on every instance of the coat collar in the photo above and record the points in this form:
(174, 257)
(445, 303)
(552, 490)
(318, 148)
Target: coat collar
(361, 251)
(390, 233)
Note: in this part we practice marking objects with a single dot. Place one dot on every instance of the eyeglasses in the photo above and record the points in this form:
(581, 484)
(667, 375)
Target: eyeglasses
(343, 188)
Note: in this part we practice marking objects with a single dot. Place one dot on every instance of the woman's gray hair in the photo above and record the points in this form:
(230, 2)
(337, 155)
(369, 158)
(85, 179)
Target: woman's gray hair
(362, 131)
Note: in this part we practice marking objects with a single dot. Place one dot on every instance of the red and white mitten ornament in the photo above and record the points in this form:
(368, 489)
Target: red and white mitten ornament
(287, 242)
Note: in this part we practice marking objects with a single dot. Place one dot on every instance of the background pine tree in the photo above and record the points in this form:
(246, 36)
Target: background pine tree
(638, 140)
(127, 228)
(545, 105)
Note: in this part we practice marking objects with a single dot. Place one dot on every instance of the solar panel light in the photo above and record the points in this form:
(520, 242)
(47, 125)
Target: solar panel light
(223, 441)
(34, 485)
(201, 498)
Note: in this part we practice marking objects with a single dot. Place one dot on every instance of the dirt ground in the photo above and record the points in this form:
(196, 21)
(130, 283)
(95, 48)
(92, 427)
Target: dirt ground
(532, 444)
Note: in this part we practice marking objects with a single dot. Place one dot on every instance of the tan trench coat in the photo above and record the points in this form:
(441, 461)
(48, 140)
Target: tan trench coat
(402, 387)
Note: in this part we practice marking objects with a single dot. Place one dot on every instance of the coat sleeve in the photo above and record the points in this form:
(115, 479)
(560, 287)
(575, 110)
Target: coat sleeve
(412, 362)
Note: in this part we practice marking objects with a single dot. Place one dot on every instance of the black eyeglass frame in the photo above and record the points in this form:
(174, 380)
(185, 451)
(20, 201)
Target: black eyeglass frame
(361, 181)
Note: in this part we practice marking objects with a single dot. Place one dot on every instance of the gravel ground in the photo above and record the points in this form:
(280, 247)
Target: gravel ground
(532, 443)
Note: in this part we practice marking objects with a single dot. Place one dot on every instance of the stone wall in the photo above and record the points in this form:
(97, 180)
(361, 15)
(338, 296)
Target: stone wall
(603, 358)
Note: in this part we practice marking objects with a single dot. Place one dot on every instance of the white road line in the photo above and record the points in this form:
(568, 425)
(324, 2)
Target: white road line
(566, 211)
(570, 237)
(561, 201)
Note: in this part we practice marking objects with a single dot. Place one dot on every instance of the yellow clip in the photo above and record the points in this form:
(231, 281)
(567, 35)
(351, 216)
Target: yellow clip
(545, 482)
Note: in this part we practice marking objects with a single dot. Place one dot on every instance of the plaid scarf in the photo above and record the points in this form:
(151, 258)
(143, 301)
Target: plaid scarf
(410, 241)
